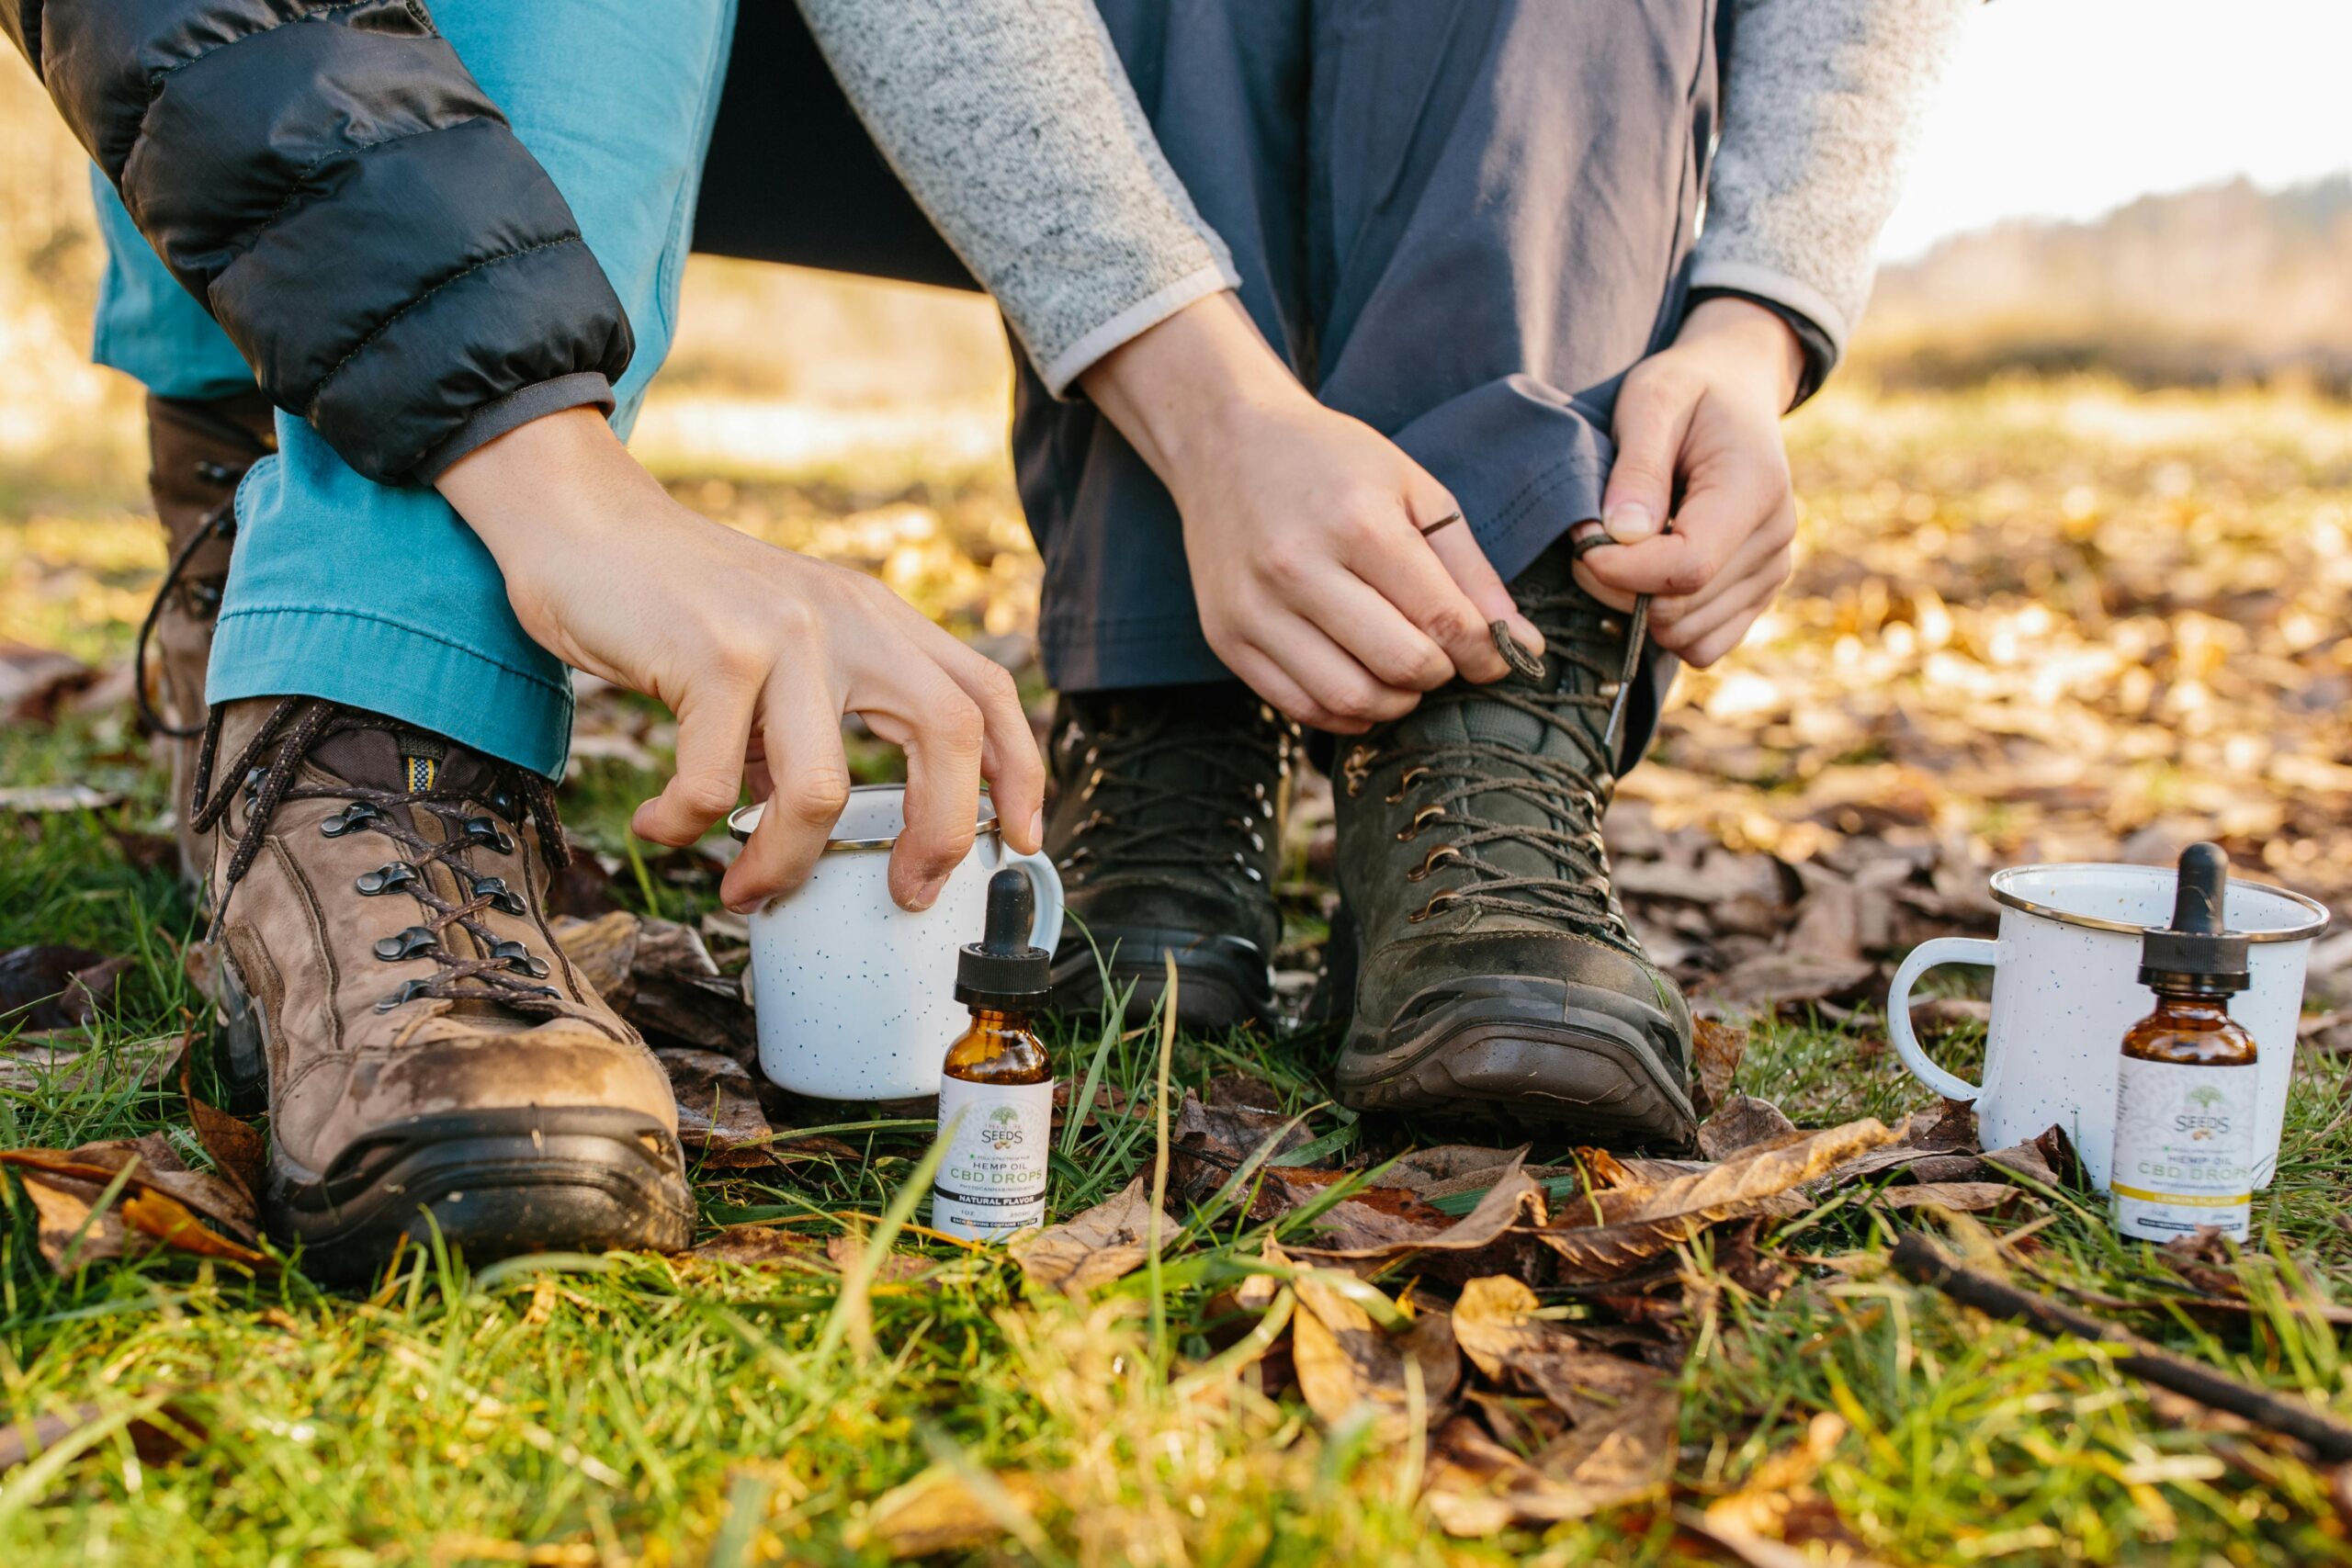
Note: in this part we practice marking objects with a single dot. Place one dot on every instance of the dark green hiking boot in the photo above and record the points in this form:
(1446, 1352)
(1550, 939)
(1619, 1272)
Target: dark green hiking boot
(1492, 970)
(1167, 828)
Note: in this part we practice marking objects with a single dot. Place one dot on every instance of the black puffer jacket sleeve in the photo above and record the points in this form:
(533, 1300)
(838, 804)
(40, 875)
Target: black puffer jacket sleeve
(333, 185)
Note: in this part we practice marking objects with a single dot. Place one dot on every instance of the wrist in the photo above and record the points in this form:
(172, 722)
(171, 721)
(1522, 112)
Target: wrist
(555, 477)
(1177, 390)
(1750, 339)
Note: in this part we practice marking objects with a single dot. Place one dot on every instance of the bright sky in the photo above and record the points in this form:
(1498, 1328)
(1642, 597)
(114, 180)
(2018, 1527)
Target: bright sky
(2065, 108)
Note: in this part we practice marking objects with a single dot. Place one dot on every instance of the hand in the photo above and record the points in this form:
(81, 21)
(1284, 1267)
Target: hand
(758, 651)
(1704, 414)
(1302, 528)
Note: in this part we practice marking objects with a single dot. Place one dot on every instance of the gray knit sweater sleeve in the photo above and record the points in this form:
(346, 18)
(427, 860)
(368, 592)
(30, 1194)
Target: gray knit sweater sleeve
(1824, 100)
(1012, 122)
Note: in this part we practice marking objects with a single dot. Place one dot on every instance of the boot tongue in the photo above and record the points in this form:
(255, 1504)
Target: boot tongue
(399, 758)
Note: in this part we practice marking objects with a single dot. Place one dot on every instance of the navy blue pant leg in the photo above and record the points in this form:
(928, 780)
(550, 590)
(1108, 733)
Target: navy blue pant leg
(1460, 220)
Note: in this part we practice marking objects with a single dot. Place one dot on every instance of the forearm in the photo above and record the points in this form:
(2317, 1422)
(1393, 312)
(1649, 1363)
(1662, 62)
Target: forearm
(1014, 125)
(1173, 391)
(1824, 103)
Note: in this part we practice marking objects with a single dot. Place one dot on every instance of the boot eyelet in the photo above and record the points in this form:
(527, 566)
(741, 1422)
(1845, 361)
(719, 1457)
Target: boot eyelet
(1608, 688)
(1356, 768)
(484, 831)
(386, 878)
(1425, 910)
(1406, 781)
(501, 897)
(410, 943)
(410, 990)
(1421, 819)
(357, 815)
(518, 957)
(1440, 855)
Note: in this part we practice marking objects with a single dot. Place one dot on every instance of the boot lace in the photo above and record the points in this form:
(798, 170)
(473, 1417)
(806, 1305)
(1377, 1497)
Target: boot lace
(1145, 818)
(503, 971)
(222, 524)
(1583, 704)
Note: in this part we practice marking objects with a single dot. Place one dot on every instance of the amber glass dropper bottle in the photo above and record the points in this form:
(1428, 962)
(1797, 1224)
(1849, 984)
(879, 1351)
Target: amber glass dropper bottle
(996, 1088)
(2187, 1088)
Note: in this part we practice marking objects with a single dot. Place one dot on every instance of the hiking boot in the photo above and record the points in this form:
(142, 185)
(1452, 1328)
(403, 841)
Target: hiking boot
(198, 449)
(1167, 828)
(433, 1062)
(1491, 967)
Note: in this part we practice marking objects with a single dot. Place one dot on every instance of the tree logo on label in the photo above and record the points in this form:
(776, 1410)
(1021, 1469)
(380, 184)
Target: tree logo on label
(1003, 1130)
(2203, 1120)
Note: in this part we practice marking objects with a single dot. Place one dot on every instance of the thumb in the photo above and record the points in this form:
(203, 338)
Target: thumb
(1652, 416)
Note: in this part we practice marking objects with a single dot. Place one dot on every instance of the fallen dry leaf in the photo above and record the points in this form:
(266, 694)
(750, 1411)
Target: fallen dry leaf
(238, 1149)
(158, 1437)
(603, 950)
(1495, 1324)
(1105, 1243)
(938, 1512)
(1390, 1222)
(753, 1245)
(36, 682)
(1715, 1051)
(160, 1203)
(1778, 981)
(843, 1252)
(1955, 1196)
(44, 987)
(1345, 1361)
(1613, 1232)
(1476, 1487)
(1744, 1122)
(1777, 1513)
(718, 1109)
(1208, 1144)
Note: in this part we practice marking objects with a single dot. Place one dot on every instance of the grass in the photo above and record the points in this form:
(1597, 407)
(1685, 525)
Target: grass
(641, 1409)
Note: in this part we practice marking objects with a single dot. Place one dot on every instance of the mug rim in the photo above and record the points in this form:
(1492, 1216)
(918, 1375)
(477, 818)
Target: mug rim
(743, 818)
(2004, 895)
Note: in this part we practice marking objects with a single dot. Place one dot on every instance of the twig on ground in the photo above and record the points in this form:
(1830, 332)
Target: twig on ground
(1919, 1259)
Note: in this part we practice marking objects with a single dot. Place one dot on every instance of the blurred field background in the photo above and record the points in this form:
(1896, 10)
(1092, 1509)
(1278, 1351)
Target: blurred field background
(2077, 517)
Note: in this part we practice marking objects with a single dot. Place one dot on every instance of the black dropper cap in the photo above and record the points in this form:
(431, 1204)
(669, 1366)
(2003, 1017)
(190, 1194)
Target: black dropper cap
(2195, 957)
(1001, 971)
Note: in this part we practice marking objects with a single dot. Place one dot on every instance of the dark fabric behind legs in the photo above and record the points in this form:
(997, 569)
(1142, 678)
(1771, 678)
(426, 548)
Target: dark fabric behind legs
(1460, 220)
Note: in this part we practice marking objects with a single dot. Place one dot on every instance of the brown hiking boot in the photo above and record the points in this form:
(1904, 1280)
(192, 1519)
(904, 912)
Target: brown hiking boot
(433, 1062)
(198, 450)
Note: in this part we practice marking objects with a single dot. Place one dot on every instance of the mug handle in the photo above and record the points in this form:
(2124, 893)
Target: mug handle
(1922, 958)
(1045, 929)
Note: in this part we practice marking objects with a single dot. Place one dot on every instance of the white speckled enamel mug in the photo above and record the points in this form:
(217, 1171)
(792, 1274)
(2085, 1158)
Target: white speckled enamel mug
(854, 997)
(2066, 986)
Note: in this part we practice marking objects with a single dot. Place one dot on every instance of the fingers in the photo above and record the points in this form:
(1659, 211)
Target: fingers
(1367, 624)
(1653, 412)
(938, 727)
(713, 722)
(1338, 695)
(800, 743)
(1723, 503)
(1009, 758)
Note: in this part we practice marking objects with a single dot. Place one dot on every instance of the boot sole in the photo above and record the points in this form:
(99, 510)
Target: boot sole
(1532, 1051)
(493, 1184)
(1222, 982)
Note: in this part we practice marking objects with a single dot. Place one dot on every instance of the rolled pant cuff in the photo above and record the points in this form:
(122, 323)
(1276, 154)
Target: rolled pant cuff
(372, 661)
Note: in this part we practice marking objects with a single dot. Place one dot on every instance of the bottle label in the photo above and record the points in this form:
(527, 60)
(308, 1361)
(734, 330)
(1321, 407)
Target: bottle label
(991, 1180)
(2184, 1149)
